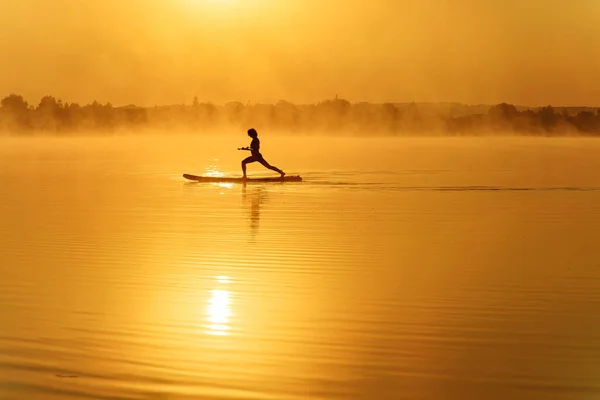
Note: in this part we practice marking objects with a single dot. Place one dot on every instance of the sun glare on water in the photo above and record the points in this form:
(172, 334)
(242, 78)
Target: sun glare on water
(219, 309)
(213, 171)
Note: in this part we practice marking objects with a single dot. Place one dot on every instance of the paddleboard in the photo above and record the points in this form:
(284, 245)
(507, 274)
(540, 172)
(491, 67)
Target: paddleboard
(287, 178)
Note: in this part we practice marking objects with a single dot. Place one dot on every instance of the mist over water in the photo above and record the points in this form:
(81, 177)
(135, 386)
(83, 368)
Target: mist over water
(53, 117)
(399, 268)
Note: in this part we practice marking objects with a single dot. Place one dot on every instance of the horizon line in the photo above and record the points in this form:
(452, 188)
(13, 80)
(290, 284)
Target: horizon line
(246, 103)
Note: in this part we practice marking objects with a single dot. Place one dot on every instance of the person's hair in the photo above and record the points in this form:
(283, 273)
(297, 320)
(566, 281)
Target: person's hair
(252, 132)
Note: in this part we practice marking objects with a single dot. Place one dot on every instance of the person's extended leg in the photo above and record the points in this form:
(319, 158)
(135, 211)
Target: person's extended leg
(271, 167)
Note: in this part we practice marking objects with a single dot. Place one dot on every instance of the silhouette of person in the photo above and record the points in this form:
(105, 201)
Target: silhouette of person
(256, 156)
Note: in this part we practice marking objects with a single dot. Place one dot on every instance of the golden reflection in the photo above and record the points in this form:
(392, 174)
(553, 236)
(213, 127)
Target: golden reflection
(256, 197)
(213, 170)
(219, 309)
(225, 185)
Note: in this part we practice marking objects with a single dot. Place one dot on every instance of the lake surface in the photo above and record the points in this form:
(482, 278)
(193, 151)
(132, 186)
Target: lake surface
(399, 269)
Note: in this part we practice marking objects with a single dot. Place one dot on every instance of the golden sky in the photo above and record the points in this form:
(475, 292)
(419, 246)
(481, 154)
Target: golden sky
(527, 52)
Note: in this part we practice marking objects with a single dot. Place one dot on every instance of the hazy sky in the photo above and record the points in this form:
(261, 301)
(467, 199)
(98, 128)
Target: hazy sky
(528, 52)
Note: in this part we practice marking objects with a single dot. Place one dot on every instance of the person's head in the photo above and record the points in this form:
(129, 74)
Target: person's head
(252, 133)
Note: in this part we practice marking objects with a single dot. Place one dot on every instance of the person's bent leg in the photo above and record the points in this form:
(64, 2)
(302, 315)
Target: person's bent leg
(246, 161)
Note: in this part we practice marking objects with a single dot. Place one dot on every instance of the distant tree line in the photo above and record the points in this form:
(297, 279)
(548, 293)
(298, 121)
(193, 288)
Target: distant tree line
(330, 116)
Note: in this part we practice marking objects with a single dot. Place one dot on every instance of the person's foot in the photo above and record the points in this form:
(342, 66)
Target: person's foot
(282, 174)
(244, 177)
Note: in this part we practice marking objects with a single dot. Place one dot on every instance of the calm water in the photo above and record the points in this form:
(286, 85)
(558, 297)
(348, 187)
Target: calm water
(399, 269)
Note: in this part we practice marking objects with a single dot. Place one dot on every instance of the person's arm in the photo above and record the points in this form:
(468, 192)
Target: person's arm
(244, 148)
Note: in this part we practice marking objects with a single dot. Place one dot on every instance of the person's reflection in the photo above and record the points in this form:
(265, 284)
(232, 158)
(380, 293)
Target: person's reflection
(255, 197)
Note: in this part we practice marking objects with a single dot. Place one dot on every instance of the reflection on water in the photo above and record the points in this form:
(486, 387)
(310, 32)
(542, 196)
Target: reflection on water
(213, 170)
(354, 287)
(255, 196)
(218, 311)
